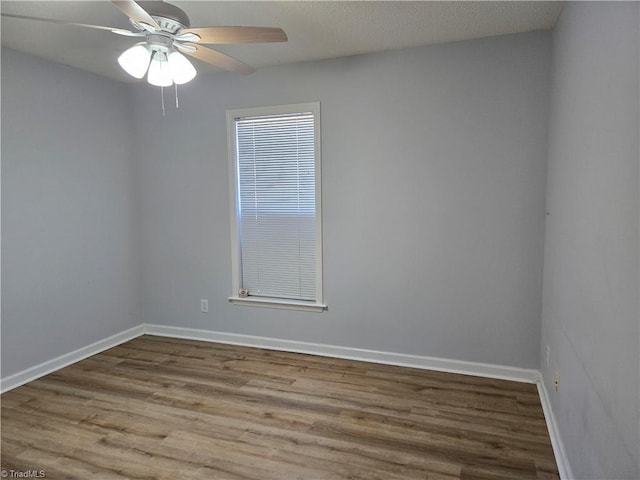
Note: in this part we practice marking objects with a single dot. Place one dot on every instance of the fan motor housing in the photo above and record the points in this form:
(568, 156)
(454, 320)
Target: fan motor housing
(169, 17)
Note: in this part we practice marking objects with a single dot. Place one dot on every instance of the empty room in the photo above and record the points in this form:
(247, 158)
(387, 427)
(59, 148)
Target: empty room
(320, 240)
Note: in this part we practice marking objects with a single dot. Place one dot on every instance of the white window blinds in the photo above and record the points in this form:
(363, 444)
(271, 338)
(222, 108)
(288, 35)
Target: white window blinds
(276, 205)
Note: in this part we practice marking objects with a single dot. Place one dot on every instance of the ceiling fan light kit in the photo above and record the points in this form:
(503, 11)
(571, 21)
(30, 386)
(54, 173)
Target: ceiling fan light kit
(158, 57)
(163, 69)
(159, 71)
(167, 36)
(135, 60)
(182, 70)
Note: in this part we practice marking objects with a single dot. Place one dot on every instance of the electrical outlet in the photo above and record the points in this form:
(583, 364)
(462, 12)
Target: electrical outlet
(556, 382)
(204, 305)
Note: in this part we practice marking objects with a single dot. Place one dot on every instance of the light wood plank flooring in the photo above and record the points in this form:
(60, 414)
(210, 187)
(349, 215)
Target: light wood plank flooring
(160, 408)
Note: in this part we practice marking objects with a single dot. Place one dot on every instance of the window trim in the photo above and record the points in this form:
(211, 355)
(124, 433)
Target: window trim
(318, 305)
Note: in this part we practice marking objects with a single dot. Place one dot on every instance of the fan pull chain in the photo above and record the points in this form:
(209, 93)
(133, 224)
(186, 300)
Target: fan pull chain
(177, 104)
(162, 96)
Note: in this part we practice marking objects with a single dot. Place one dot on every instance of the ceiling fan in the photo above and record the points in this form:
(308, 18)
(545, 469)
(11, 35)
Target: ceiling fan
(166, 34)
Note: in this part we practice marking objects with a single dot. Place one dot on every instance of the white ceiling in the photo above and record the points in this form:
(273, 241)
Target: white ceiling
(316, 29)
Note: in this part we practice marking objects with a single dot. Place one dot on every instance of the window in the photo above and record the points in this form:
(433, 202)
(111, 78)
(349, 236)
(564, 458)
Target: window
(274, 155)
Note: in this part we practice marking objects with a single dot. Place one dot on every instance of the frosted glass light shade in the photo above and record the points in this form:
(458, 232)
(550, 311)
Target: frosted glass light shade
(181, 68)
(160, 71)
(135, 60)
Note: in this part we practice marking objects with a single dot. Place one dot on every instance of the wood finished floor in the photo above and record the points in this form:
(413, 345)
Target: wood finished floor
(160, 408)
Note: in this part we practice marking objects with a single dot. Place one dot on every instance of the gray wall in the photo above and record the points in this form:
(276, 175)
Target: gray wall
(434, 181)
(68, 266)
(590, 314)
(433, 189)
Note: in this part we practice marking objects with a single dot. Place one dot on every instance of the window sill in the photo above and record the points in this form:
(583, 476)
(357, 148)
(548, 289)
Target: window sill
(278, 303)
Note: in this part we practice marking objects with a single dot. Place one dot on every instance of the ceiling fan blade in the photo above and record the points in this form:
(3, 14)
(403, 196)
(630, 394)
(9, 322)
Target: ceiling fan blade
(223, 35)
(119, 31)
(218, 59)
(136, 13)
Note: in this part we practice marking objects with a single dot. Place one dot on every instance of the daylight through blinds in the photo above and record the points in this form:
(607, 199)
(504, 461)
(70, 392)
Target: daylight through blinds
(276, 196)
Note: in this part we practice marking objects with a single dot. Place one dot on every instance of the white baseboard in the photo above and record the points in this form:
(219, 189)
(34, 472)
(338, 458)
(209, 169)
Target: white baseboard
(374, 356)
(50, 366)
(564, 469)
(388, 358)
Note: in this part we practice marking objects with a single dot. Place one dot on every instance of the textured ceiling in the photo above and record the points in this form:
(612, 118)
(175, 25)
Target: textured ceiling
(316, 30)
